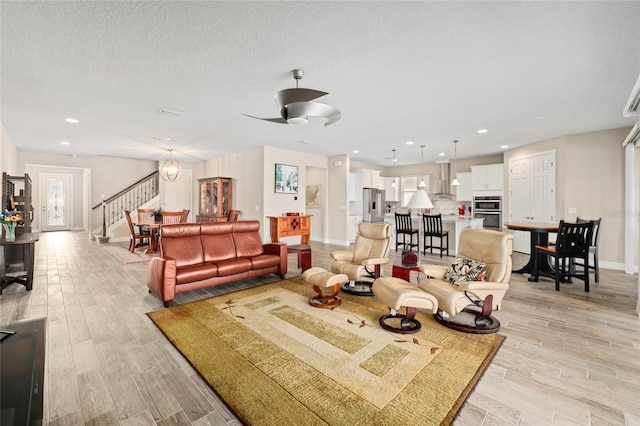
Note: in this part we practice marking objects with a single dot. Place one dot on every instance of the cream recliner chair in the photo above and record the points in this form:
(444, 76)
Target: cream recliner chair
(371, 250)
(467, 305)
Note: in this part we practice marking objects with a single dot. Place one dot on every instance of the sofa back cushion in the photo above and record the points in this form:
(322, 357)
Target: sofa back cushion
(246, 235)
(181, 241)
(217, 241)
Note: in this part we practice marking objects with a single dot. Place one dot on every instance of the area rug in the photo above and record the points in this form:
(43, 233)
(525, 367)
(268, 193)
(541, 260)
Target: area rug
(124, 255)
(276, 360)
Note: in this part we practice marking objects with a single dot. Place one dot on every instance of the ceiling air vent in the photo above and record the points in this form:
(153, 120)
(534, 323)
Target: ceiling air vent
(171, 112)
(633, 104)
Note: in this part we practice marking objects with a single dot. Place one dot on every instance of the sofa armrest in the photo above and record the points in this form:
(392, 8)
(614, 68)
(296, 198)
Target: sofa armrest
(341, 255)
(433, 271)
(161, 278)
(375, 261)
(279, 249)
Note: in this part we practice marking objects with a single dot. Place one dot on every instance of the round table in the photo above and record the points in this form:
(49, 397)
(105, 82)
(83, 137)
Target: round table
(539, 237)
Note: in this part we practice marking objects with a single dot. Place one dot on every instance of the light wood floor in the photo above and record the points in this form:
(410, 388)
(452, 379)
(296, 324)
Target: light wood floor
(570, 358)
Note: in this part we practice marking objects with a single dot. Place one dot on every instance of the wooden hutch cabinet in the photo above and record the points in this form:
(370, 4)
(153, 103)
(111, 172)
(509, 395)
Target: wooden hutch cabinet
(215, 199)
(16, 195)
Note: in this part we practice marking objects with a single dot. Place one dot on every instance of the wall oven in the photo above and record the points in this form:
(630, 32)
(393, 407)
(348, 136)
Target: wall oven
(488, 208)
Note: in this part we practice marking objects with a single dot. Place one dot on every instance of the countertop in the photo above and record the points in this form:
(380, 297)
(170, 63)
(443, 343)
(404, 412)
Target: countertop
(450, 218)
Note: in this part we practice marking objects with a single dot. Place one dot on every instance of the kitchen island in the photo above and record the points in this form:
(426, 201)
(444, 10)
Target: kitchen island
(452, 223)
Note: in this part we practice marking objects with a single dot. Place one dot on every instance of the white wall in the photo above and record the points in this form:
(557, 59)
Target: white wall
(590, 178)
(253, 174)
(8, 154)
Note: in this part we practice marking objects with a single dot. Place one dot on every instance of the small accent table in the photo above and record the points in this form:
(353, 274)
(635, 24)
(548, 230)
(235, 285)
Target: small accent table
(26, 242)
(288, 226)
(304, 255)
(403, 270)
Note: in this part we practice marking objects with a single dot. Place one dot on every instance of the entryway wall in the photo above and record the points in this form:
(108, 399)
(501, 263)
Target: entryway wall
(317, 176)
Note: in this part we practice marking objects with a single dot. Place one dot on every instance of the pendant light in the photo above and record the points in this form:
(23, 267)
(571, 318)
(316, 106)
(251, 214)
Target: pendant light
(170, 169)
(393, 160)
(455, 182)
(422, 183)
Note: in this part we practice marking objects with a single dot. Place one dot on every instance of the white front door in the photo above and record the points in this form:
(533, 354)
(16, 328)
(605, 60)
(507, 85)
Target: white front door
(55, 199)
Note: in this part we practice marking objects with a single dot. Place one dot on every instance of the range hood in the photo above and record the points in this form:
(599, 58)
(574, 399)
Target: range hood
(440, 186)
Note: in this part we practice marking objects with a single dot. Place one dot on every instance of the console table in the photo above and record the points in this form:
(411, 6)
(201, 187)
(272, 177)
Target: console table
(26, 243)
(288, 226)
(22, 350)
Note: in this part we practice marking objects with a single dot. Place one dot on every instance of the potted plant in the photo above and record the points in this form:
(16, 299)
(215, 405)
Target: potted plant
(157, 215)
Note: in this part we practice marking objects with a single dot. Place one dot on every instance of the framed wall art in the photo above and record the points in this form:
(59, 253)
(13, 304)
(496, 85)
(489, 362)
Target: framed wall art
(286, 179)
(312, 196)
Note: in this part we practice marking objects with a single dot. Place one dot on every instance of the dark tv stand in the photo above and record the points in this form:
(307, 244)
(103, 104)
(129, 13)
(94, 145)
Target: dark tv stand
(22, 372)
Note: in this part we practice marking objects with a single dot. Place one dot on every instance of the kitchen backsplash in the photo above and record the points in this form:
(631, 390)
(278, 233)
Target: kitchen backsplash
(442, 204)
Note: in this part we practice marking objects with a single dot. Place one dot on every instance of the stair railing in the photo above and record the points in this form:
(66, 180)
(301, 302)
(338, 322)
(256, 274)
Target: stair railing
(130, 198)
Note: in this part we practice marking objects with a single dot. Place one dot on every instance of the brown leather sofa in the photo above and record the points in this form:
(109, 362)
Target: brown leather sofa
(200, 255)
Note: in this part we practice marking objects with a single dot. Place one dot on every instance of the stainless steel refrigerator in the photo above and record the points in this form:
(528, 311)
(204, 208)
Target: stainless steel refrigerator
(373, 205)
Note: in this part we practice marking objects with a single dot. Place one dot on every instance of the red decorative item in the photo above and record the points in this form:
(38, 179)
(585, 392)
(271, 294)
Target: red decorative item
(461, 210)
(409, 258)
(293, 214)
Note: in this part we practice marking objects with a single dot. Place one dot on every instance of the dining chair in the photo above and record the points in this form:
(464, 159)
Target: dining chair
(405, 228)
(573, 242)
(593, 247)
(233, 215)
(145, 218)
(185, 215)
(433, 228)
(135, 239)
(171, 217)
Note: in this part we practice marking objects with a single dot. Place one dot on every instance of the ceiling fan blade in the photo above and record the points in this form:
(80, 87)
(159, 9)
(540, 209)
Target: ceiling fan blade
(288, 96)
(313, 109)
(273, 120)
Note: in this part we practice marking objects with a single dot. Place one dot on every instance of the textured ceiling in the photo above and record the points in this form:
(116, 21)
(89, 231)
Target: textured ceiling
(429, 72)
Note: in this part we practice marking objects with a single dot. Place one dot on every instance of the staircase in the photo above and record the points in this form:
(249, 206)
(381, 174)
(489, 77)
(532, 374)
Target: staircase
(132, 197)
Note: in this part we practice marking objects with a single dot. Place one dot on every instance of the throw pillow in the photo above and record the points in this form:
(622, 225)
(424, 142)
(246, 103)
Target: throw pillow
(465, 270)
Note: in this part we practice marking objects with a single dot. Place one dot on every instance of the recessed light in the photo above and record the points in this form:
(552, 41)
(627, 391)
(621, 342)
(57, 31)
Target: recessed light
(441, 154)
(355, 151)
(306, 142)
(504, 146)
(162, 138)
(482, 131)
(540, 117)
(409, 143)
(65, 143)
(71, 120)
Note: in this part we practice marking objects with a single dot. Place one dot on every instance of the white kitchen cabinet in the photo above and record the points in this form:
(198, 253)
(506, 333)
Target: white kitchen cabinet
(488, 177)
(391, 194)
(464, 191)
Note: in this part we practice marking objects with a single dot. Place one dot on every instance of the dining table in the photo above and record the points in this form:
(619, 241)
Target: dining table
(539, 237)
(154, 233)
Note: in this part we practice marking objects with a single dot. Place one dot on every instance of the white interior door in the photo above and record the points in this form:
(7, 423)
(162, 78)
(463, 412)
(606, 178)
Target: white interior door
(56, 195)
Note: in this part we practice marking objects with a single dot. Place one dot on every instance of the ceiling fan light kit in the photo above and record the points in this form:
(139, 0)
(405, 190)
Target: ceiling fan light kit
(296, 105)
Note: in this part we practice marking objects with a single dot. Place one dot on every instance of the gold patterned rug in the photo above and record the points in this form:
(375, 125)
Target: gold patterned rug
(276, 360)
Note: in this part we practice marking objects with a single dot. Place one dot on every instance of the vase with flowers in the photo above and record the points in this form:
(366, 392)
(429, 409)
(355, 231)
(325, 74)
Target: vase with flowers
(9, 220)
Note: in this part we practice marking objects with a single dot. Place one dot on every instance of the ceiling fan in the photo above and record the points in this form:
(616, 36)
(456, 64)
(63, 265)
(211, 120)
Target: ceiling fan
(296, 105)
